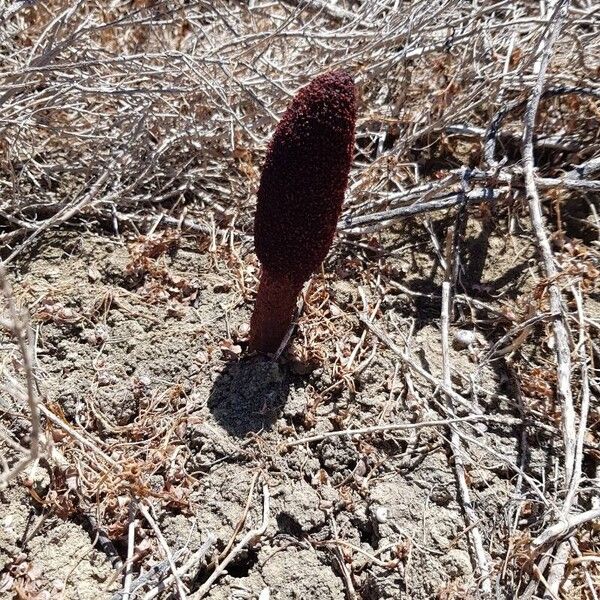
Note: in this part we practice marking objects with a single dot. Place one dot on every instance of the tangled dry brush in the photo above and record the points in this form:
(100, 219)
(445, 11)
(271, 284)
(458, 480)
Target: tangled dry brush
(130, 116)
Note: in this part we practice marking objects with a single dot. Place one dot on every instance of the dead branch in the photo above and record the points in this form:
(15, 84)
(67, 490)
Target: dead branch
(165, 547)
(17, 325)
(402, 427)
(191, 563)
(249, 539)
(458, 455)
(448, 201)
(565, 527)
(560, 325)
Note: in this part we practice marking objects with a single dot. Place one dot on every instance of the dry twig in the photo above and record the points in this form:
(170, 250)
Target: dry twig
(18, 327)
(249, 539)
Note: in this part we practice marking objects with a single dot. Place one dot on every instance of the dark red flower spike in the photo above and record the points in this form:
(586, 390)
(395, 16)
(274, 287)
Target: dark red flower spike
(300, 199)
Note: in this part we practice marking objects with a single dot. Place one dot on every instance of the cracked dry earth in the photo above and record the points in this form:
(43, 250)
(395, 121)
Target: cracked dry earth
(140, 346)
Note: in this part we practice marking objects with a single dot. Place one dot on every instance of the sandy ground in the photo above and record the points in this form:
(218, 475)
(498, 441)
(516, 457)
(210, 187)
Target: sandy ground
(141, 344)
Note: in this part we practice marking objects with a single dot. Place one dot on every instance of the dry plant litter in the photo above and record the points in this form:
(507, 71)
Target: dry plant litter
(432, 430)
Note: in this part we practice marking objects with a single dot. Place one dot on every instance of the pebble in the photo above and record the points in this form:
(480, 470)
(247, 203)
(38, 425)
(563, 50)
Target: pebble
(463, 338)
(381, 514)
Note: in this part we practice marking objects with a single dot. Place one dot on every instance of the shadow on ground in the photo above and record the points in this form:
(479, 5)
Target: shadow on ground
(249, 395)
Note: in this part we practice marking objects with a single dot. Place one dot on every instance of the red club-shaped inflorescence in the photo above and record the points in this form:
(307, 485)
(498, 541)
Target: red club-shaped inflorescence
(300, 199)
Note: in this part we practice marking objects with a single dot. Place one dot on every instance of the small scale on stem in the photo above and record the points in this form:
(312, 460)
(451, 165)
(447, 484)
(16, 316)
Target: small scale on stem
(300, 199)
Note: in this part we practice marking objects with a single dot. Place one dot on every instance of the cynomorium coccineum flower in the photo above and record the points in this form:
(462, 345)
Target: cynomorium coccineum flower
(300, 199)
